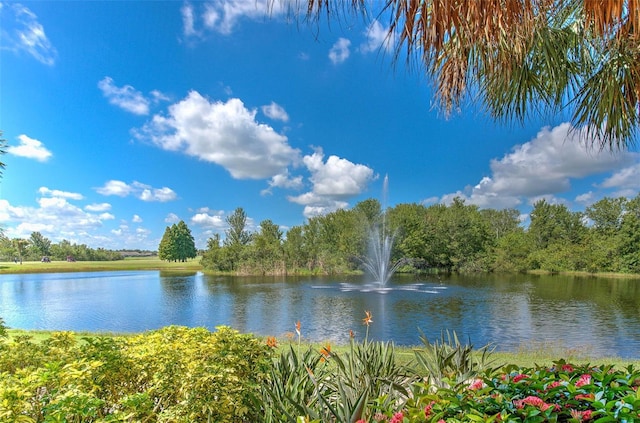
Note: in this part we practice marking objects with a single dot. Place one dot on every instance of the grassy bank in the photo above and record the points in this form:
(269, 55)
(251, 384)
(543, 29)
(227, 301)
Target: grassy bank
(129, 263)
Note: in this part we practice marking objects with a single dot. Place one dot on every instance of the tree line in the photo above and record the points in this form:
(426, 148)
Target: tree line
(37, 246)
(458, 237)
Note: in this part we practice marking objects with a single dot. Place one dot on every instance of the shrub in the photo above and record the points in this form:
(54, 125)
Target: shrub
(562, 393)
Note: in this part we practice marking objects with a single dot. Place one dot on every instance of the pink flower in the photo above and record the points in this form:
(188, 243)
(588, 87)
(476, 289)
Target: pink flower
(476, 384)
(581, 415)
(567, 368)
(533, 401)
(554, 384)
(519, 377)
(397, 418)
(427, 409)
(589, 396)
(441, 421)
(584, 380)
(361, 421)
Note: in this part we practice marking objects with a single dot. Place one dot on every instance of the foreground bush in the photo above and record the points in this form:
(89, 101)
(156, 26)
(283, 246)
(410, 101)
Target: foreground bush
(178, 374)
(562, 393)
(174, 374)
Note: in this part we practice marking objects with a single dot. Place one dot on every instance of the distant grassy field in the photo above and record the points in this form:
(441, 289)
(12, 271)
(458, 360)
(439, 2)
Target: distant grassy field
(130, 263)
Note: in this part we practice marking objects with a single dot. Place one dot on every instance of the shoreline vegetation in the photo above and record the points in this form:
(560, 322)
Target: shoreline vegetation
(194, 265)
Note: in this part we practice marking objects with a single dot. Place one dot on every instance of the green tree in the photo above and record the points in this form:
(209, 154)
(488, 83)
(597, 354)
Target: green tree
(295, 249)
(267, 249)
(522, 57)
(237, 237)
(40, 244)
(167, 247)
(606, 214)
(177, 243)
(212, 258)
(552, 223)
(628, 239)
(20, 247)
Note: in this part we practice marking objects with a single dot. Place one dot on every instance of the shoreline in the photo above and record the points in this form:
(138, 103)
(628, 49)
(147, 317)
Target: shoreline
(154, 263)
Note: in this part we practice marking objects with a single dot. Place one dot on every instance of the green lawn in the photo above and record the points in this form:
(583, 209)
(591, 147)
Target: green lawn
(130, 263)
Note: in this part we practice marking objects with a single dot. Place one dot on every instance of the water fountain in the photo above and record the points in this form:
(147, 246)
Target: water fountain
(380, 244)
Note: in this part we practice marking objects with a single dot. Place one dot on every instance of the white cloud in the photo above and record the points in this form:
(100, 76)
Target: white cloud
(98, 207)
(377, 37)
(113, 187)
(188, 28)
(139, 190)
(627, 178)
(30, 148)
(172, 218)
(21, 31)
(54, 217)
(334, 182)
(208, 220)
(276, 112)
(223, 133)
(162, 195)
(222, 16)
(541, 168)
(126, 97)
(136, 219)
(339, 52)
(284, 180)
(44, 191)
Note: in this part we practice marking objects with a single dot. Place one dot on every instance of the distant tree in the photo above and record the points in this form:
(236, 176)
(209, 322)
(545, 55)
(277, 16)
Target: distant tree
(295, 249)
(237, 237)
(213, 256)
(607, 214)
(20, 246)
(167, 248)
(267, 249)
(177, 243)
(40, 244)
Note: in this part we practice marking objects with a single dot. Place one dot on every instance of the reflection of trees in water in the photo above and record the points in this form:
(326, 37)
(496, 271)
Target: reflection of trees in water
(178, 285)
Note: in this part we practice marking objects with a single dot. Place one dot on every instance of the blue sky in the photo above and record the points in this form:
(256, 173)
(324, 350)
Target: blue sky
(125, 117)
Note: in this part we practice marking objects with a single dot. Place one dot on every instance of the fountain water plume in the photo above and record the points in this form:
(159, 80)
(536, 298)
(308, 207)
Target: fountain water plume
(380, 245)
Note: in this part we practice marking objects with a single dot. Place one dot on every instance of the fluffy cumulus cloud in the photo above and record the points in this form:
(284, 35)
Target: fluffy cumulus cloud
(225, 133)
(340, 52)
(211, 219)
(275, 112)
(284, 180)
(20, 31)
(543, 167)
(139, 190)
(334, 181)
(377, 37)
(30, 148)
(125, 97)
(55, 216)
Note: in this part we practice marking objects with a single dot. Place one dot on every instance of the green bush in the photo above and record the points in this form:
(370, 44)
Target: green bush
(175, 374)
(562, 393)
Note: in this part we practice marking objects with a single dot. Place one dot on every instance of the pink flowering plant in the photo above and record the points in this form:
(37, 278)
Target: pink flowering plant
(562, 393)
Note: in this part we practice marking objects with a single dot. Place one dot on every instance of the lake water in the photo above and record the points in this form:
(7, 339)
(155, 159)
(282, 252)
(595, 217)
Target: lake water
(597, 317)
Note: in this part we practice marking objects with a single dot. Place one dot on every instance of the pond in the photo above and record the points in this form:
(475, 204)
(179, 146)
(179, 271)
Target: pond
(597, 317)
